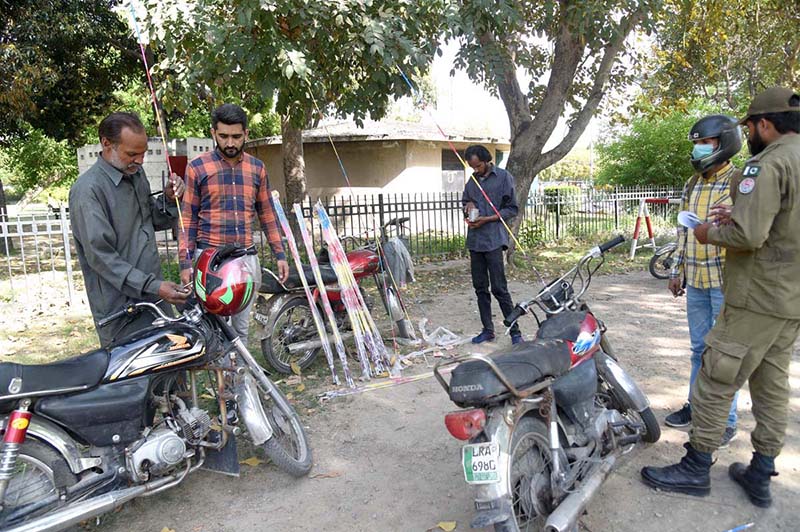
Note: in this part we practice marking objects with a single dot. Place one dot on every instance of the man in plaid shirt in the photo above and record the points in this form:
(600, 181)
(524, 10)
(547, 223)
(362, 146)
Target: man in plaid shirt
(716, 138)
(225, 190)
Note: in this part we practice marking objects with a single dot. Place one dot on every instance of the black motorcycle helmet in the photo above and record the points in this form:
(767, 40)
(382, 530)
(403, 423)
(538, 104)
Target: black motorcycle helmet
(723, 127)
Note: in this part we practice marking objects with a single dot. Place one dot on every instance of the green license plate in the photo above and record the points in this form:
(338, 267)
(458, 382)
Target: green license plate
(481, 463)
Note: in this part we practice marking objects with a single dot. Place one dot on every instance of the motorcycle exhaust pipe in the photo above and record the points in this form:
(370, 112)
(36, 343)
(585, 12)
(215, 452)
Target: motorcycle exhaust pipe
(564, 517)
(313, 344)
(72, 515)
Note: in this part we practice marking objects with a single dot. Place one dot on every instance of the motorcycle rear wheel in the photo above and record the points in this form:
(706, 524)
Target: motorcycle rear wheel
(293, 322)
(288, 447)
(39, 473)
(529, 471)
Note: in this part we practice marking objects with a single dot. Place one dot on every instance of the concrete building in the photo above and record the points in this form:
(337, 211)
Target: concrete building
(386, 156)
(155, 163)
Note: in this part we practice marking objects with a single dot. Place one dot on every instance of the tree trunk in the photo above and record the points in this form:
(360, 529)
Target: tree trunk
(294, 167)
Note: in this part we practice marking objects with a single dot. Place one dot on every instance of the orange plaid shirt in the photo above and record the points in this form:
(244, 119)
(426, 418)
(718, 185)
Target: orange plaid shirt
(221, 202)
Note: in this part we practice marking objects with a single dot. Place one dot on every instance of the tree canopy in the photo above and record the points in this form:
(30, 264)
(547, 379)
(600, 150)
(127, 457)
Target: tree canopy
(725, 52)
(653, 150)
(60, 63)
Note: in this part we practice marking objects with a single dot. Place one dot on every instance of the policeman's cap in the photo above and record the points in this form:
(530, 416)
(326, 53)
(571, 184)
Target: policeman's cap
(772, 100)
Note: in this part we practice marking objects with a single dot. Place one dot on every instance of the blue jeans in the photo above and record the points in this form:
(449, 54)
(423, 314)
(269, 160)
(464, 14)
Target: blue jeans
(702, 308)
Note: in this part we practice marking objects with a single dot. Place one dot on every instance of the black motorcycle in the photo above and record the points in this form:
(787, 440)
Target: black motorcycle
(84, 435)
(546, 420)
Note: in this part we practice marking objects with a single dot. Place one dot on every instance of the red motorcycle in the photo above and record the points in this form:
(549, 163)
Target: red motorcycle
(286, 325)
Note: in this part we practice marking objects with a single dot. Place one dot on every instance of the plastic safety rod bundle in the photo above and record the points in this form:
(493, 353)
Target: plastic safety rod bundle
(353, 299)
(287, 230)
(326, 304)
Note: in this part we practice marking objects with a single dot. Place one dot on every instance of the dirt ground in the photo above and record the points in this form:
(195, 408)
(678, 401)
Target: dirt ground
(384, 460)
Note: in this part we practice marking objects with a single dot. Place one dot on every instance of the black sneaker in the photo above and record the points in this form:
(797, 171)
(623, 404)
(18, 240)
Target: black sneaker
(681, 418)
(727, 437)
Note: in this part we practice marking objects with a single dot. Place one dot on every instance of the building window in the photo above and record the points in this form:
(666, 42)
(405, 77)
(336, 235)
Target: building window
(158, 152)
(452, 171)
(194, 148)
(149, 152)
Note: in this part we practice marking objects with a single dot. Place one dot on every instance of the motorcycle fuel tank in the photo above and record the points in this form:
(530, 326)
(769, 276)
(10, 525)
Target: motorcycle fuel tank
(363, 261)
(156, 349)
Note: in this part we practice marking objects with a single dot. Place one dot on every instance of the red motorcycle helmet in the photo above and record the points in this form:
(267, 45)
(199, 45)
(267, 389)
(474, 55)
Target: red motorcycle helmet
(226, 278)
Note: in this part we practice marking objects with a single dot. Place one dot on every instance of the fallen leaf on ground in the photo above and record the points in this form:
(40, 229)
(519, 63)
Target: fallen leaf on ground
(252, 461)
(206, 396)
(332, 474)
(295, 368)
(165, 529)
(447, 526)
(301, 387)
(294, 379)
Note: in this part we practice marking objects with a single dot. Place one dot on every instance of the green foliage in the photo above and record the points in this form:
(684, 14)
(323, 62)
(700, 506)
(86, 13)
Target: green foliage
(38, 160)
(654, 151)
(531, 233)
(60, 63)
(562, 198)
(568, 169)
(342, 54)
(726, 51)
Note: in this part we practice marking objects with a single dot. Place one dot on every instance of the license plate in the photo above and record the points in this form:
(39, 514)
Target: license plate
(481, 463)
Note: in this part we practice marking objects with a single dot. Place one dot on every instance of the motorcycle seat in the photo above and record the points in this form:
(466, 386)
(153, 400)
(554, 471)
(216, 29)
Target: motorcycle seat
(83, 371)
(475, 383)
(270, 285)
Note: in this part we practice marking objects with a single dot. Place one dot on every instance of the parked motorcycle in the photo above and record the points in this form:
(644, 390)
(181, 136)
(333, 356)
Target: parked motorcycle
(661, 263)
(286, 325)
(84, 435)
(547, 419)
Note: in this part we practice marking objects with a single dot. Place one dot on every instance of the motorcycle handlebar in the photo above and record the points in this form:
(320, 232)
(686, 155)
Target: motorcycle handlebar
(614, 242)
(127, 311)
(514, 316)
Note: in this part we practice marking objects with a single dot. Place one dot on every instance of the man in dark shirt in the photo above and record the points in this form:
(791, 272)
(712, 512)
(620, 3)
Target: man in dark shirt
(114, 220)
(487, 237)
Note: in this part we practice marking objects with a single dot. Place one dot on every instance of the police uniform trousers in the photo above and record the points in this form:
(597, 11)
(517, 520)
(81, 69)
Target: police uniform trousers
(744, 346)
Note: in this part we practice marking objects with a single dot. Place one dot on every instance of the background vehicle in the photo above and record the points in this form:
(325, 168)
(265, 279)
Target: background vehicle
(546, 420)
(286, 325)
(84, 435)
(662, 261)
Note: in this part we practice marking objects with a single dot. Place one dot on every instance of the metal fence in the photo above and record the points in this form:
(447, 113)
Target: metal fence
(39, 257)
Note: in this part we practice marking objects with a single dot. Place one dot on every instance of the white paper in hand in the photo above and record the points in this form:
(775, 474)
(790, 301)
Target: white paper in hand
(688, 219)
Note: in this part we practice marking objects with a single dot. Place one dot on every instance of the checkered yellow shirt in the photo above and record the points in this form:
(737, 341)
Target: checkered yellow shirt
(702, 264)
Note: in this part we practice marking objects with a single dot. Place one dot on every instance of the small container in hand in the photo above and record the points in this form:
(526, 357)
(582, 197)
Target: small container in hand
(473, 214)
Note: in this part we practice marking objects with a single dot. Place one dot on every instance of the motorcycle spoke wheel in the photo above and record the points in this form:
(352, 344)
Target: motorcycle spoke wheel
(293, 324)
(661, 265)
(529, 474)
(39, 473)
(32, 480)
(288, 447)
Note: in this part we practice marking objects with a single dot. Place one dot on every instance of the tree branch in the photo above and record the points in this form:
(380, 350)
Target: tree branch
(595, 95)
(567, 54)
(514, 100)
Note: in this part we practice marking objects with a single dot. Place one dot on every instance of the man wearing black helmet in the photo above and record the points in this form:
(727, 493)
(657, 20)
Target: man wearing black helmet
(754, 336)
(698, 267)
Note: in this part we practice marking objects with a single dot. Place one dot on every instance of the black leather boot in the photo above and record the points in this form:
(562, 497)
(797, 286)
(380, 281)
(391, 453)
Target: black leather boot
(754, 479)
(689, 476)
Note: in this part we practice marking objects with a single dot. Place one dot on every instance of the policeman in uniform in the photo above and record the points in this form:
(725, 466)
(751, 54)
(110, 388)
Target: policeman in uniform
(755, 333)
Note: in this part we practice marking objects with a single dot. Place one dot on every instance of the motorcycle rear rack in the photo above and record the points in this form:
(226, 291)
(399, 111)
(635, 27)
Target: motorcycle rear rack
(519, 394)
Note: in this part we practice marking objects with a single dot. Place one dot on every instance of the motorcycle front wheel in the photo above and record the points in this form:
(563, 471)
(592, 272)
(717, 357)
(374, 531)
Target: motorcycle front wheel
(291, 323)
(662, 261)
(288, 447)
(529, 472)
